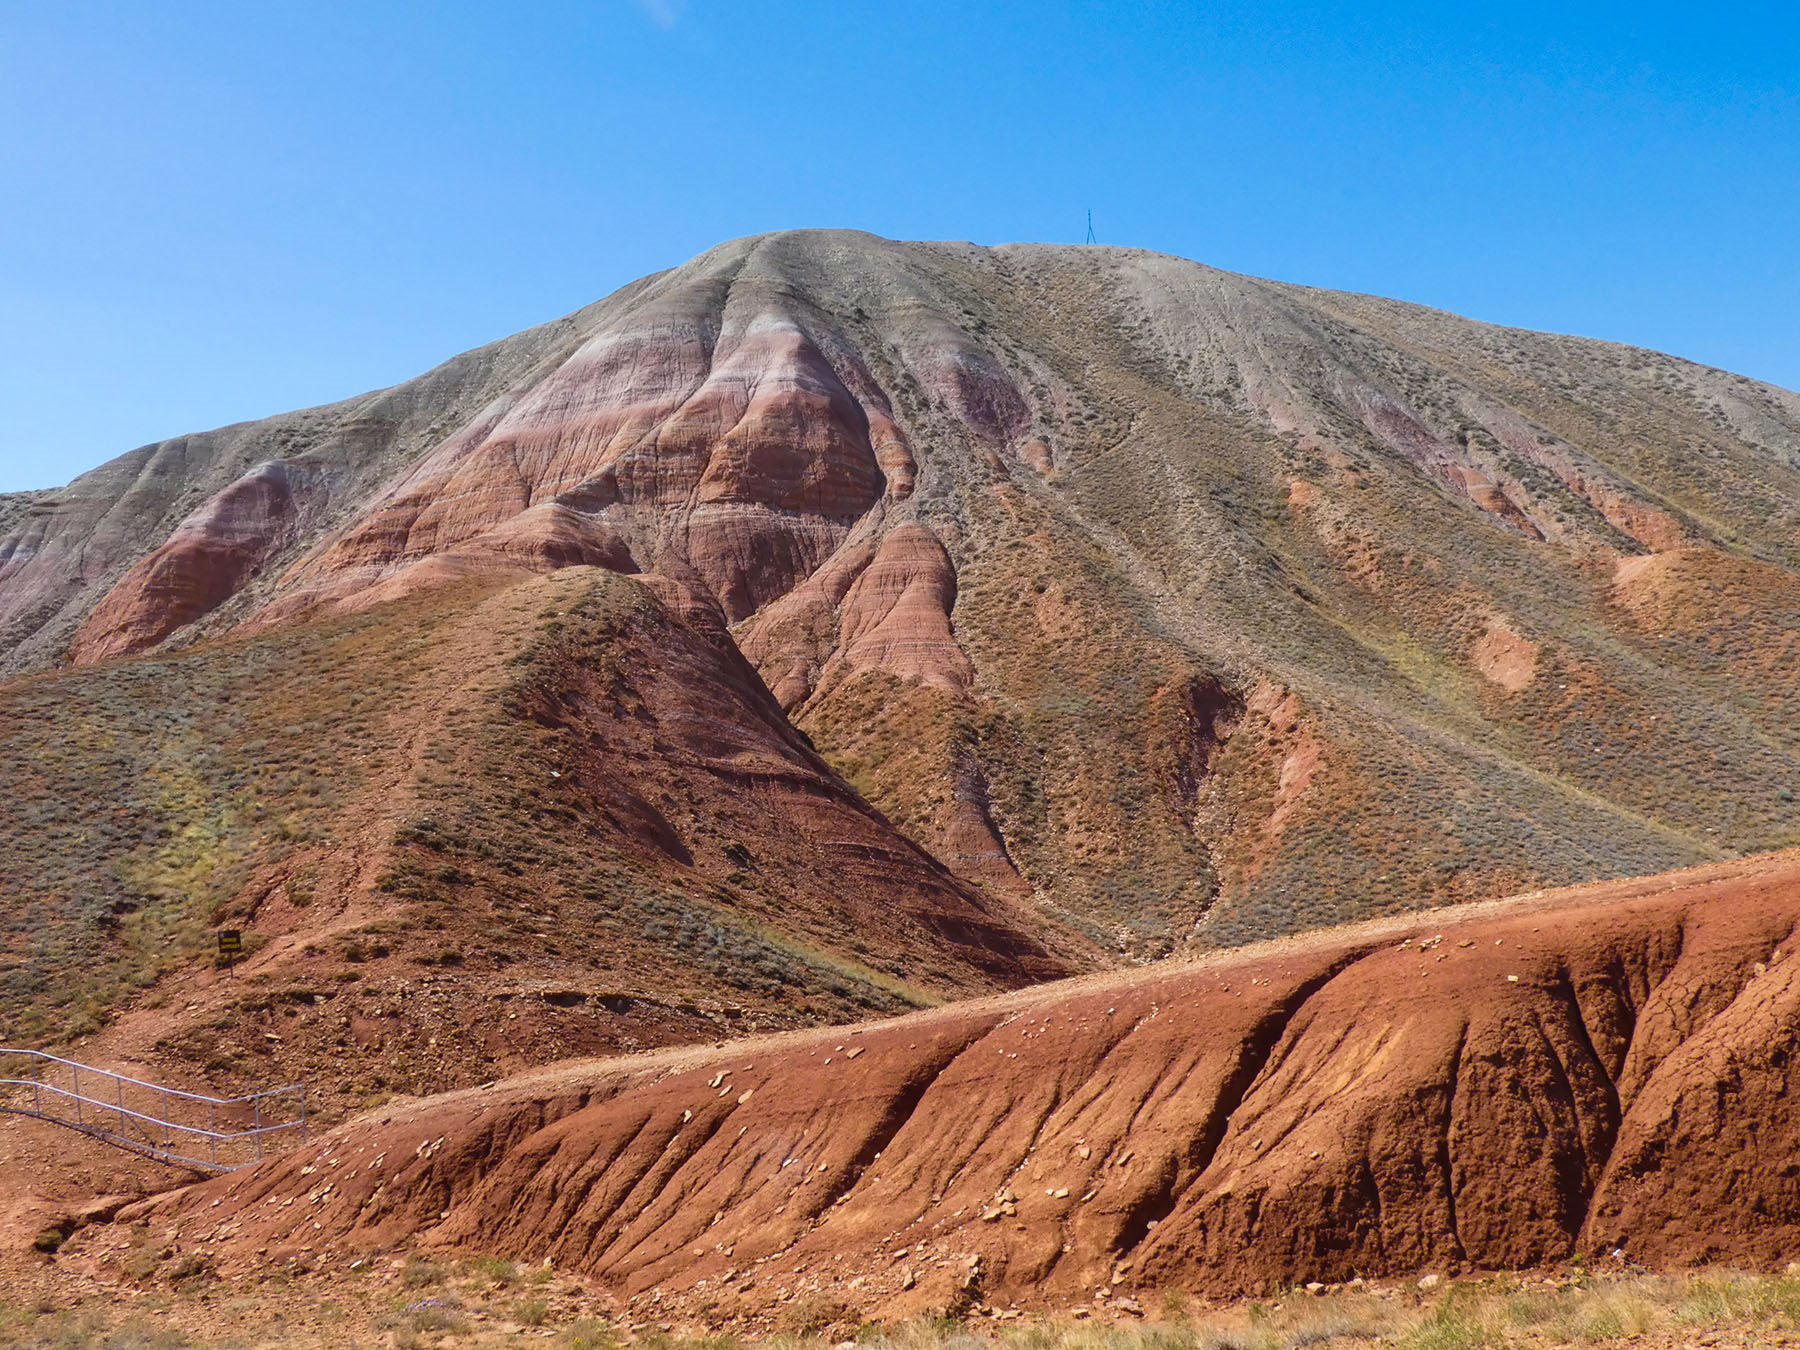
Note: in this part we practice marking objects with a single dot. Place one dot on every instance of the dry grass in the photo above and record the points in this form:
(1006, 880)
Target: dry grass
(138, 800)
(466, 1304)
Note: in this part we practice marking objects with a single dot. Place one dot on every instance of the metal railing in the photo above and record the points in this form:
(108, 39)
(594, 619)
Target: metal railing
(152, 1120)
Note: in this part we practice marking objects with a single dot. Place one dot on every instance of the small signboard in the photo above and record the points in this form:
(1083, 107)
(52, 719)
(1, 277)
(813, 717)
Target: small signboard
(231, 946)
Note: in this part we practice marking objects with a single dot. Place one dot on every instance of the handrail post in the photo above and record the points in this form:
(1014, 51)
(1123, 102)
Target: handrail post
(136, 1129)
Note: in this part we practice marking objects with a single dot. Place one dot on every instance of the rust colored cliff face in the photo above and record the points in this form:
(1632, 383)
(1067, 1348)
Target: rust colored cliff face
(208, 558)
(883, 607)
(736, 458)
(1491, 1087)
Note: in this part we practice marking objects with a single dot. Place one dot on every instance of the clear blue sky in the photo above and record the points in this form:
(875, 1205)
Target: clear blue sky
(215, 211)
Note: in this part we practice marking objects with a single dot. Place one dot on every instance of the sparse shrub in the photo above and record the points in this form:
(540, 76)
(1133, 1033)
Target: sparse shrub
(187, 1267)
(816, 1314)
(591, 1333)
(495, 1270)
(1453, 1323)
(50, 1240)
(143, 1256)
(438, 1315)
(420, 1273)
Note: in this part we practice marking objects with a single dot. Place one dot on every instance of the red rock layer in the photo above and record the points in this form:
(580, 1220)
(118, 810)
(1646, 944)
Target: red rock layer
(735, 457)
(211, 554)
(896, 617)
(870, 608)
(1492, 1087)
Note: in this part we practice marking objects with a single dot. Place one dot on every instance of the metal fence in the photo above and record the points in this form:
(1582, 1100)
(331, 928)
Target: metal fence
(213, 1134)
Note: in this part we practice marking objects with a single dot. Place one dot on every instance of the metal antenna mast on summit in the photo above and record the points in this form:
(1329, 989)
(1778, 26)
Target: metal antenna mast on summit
(1090, 238)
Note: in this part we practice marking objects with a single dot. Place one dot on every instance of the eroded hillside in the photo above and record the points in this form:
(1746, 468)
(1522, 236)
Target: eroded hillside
(1175, 606)
(1503, 1085)
(474, 830)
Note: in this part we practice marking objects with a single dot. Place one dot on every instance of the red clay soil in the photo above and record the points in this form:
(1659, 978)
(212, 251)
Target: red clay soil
(1498, 1085)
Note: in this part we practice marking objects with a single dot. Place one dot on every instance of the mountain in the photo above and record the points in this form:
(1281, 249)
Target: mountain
(832, 623)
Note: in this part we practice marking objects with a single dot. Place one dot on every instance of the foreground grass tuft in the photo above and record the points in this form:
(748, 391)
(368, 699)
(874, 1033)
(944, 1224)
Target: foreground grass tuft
(477, 1302)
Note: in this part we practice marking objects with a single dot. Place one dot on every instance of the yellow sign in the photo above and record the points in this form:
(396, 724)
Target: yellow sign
(231, 942)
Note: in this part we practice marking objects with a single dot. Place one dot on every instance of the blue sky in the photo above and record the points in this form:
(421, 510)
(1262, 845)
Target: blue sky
(217, 211)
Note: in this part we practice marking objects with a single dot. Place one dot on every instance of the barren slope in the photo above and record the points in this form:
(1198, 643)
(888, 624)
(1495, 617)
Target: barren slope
(1499, 1085)
(1188, 607)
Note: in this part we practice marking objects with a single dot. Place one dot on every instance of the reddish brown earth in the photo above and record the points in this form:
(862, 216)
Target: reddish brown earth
(833, 627)
(992, 524)
(1497, 1085)
(467, 833)
(208, 558)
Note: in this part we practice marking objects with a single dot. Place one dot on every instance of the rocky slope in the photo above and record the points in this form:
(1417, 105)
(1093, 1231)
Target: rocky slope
(1496, 1086)
(1179, 607)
